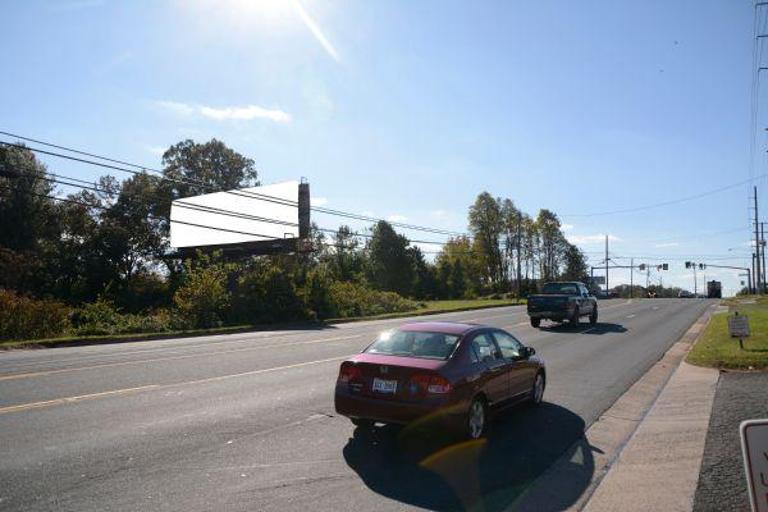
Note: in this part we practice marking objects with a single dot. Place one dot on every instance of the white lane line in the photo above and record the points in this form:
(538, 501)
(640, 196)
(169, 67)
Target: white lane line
(79, 398)
(14, 376)
(173, 349)
(631, 316)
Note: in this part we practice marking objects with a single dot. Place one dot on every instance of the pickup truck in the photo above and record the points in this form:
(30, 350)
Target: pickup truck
(561, 301)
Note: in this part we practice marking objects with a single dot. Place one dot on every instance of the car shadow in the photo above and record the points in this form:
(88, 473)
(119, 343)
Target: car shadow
(598, 328)
(430, 469)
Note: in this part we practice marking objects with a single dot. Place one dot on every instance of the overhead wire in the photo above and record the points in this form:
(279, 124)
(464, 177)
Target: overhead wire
(139, 169)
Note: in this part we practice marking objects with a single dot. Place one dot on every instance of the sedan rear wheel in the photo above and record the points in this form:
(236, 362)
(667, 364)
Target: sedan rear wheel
(476, 419)
(535, 322)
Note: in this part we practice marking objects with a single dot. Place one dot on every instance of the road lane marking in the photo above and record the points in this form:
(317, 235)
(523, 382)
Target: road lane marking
(115, 392)
(72, 399)
(41, 373)
(631, 316)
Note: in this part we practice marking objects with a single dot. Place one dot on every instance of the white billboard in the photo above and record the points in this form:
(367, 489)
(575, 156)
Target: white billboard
(253, 214)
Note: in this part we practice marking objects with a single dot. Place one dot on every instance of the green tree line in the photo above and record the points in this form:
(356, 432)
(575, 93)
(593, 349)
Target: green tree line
(99, 262)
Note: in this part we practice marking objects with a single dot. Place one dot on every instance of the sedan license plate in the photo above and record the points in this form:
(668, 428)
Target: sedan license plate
(384, 386)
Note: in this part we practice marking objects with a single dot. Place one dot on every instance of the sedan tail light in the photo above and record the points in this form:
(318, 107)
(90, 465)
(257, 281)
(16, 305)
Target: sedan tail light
(349, 372)
(429, 383)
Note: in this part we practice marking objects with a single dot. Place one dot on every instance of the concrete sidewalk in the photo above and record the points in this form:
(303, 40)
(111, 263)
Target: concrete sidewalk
(658, 469)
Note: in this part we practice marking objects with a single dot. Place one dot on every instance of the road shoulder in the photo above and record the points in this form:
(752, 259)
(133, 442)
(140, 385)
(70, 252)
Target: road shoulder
(618, 431)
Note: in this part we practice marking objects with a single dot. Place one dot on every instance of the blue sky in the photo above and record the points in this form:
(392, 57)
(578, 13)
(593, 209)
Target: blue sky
(409, 109)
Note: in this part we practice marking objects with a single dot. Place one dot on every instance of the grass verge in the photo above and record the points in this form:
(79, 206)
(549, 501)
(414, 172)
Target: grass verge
(717, 349)
(429, 308)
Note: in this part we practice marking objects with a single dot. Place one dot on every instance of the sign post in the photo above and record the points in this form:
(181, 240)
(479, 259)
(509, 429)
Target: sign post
(738, 327)
(754, 447)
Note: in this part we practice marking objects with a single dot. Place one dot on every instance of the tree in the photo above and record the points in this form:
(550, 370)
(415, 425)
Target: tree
(424, 275)
(193, 169)
(27, 216)
(346, 261)
(29, 224)
(551, 244)
(513, 220)
(466, 282)
(486, 225)
(575, 264)
(389, 264)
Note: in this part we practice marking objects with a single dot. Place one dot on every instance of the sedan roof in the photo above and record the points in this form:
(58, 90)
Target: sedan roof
(455, 328)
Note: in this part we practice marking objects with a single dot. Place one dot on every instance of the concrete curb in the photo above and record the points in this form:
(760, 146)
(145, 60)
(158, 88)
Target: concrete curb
(561, 486)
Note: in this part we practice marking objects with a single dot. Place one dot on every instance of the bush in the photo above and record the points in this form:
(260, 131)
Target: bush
(351, 299)
(22, 318)
(203, 300)
(102, 318)
(266, 293)
(318, 294)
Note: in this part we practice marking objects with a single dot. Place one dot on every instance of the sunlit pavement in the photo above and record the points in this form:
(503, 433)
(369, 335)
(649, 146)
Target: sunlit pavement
(246, 421)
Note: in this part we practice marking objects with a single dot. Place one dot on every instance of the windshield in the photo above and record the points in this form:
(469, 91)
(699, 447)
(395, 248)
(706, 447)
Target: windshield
(432, 345)
(560, 288)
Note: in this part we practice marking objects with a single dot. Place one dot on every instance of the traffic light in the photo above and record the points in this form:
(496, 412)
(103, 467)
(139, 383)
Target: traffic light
(642, 267)
(702, 266)
(665, 266)
(687, 264)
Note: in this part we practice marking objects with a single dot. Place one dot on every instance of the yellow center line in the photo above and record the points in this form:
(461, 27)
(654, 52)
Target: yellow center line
(114, 392)
(171, 358)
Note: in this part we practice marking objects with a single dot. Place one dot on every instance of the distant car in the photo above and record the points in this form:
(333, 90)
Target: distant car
(683, 294)
(560, 301)
(454, 374)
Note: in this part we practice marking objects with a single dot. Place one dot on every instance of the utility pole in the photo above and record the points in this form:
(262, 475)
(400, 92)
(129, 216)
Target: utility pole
(606, 263)
(631, 276)
(758, 273)
(752, 282)
(762, 250)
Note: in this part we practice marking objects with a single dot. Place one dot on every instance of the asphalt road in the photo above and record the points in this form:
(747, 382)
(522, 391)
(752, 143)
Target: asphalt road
(246, 421)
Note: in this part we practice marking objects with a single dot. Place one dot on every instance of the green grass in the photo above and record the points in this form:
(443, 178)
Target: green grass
(717, 349)
(426, 308)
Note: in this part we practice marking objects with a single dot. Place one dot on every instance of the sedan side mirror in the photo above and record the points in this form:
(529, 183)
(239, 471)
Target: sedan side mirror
(528, 352)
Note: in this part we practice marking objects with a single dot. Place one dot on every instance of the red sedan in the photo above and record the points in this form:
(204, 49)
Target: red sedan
(450, 372)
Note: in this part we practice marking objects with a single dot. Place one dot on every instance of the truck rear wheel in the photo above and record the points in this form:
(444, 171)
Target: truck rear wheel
(574, 320)
(535, 322)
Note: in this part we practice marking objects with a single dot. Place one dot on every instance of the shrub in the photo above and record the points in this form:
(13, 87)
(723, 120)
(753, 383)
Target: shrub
(203, 299)
(24, 318)
(318, 295)
(266, 293)
(351, 299)
(102, 318)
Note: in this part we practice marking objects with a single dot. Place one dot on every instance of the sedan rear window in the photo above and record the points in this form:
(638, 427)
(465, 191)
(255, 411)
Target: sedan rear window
(433, 345)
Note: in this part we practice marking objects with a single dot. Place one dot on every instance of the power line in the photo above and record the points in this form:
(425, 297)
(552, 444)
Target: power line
(671, 202)
(188, 181)
(210, 209)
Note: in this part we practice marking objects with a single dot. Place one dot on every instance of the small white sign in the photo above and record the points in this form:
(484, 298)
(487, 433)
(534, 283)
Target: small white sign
(754, 447)
(738, 326)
